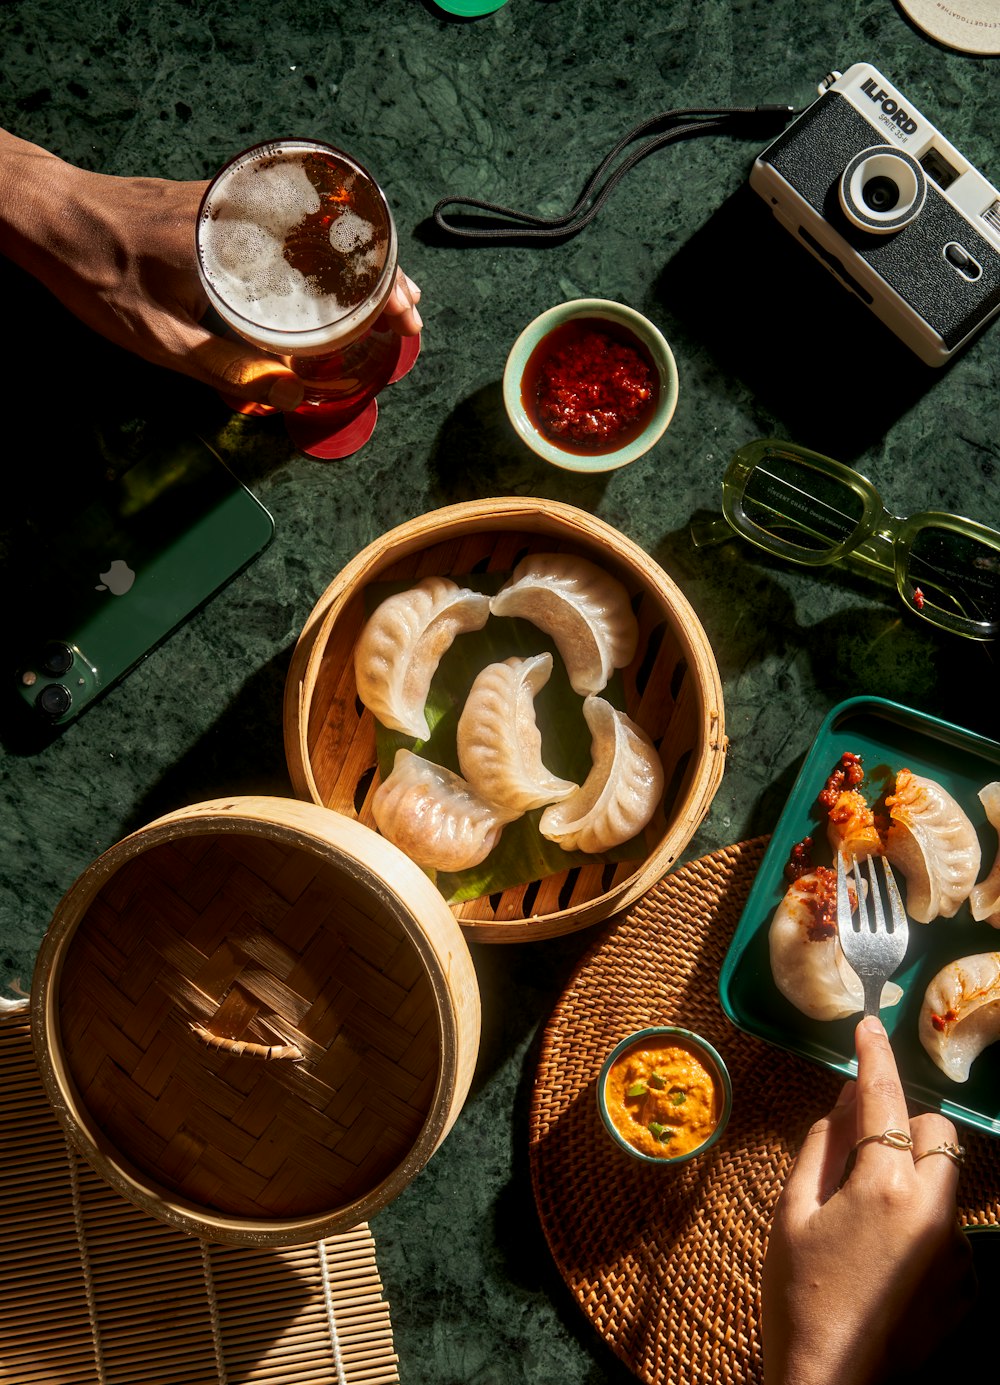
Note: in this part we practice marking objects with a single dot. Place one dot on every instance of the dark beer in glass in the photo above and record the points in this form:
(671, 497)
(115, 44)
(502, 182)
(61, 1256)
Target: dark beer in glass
(297, 254)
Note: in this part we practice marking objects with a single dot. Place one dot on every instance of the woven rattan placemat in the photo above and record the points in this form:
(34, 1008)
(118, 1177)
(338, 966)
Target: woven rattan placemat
(94, 1291)
(666, 1262)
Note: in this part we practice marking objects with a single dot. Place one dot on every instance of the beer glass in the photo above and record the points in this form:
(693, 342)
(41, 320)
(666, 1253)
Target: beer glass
(296, 249)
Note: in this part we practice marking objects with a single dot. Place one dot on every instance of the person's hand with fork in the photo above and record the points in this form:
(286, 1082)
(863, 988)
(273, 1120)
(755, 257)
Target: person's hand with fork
(866, 1269)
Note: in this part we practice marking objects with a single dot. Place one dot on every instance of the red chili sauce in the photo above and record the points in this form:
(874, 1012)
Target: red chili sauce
(848, 774)
(590, 386)
(820, 896)
(941, 1022)
(800, 861)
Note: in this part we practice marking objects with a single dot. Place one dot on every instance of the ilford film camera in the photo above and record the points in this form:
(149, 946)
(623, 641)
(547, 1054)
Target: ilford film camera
(873, 190)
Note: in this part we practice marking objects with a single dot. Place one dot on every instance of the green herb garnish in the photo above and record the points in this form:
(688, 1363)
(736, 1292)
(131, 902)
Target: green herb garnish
(677, 1096)
(663, 1133)
(657, 1081)
(636, 1089)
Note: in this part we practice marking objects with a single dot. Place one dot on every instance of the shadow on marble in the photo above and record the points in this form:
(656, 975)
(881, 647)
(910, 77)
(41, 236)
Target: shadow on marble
(520, 1239)
(476, 453)
(777, 325)
(750, 603)
(243, 752)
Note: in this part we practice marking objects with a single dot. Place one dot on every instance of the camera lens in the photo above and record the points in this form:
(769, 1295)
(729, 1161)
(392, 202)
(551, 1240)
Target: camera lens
(57, 657)
(880, 194)
(882, 190)
(54, 701)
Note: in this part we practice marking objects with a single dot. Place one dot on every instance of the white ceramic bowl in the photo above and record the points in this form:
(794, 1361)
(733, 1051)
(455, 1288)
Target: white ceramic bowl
(611, 458)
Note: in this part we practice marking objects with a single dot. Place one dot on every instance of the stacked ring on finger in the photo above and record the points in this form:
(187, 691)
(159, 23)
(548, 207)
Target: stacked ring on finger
(953, 1152)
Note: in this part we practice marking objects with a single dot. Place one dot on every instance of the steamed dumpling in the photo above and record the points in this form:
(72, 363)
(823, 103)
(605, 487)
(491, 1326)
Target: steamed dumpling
(807, 961)
(584, 609)
(960, 1015)
(934, 844)
(985, 898)
(433, 815)
(402, 644)
(618, 796)
(499, 743)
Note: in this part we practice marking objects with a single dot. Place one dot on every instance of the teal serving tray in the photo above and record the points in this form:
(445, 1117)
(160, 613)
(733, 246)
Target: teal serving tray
(888, 737)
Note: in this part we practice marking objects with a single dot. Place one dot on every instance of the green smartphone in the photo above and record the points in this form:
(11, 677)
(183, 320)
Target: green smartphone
(105, 574)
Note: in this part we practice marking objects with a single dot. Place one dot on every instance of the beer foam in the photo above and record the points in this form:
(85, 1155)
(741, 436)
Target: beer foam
(251, 217)
(350, 233)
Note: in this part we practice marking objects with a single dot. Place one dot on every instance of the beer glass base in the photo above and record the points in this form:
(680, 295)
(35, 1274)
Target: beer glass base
(330, 435)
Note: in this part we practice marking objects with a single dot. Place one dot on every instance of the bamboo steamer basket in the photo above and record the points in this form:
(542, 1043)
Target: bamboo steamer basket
(672, 688)
(256, 1019)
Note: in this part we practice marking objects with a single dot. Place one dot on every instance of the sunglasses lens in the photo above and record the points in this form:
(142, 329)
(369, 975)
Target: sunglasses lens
(800, 505)
(956, 574)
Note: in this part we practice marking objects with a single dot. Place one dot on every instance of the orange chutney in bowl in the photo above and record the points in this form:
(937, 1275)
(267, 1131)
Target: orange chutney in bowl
(663, 1094)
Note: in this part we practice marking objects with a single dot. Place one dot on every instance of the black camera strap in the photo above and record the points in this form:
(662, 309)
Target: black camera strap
(661, 129)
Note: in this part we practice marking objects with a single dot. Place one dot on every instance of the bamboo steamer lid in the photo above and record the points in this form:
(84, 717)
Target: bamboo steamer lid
(256, 1019)
(672, 689)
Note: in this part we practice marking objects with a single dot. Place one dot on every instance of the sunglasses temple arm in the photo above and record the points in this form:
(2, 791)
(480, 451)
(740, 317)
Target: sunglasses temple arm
(710, 531)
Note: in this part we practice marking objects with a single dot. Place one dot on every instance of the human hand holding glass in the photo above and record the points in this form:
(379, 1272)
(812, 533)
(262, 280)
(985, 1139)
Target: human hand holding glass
(813, 511)
(120, 254)
(297, 253)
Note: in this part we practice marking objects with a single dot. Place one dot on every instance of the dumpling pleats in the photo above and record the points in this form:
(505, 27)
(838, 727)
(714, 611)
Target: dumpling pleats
(433, 815)
(960, 1014)
(402, 644)
(984, 900)
(934, 844)
(499, 743)
(621, 792)
(584, 609)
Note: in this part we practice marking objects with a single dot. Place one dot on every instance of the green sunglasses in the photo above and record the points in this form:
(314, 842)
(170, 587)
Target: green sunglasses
(811, 510)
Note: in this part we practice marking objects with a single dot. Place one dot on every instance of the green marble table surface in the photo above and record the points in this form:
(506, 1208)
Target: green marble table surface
(517, 107)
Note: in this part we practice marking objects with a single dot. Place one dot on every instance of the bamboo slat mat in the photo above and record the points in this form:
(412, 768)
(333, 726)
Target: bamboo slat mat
(95, 1292)
(666, 1263)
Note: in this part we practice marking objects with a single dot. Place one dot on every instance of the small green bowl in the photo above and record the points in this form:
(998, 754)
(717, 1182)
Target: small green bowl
(608, 311)
(709, 1057)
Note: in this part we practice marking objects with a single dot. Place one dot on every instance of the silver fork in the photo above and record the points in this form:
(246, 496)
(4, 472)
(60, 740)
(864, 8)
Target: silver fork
(874, 946)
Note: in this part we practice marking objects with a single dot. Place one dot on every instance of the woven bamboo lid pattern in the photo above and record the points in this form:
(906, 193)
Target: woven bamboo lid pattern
(256, 1019)
(666, 1262)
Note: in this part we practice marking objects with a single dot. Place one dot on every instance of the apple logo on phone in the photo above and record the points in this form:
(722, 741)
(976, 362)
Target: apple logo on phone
(118, 579)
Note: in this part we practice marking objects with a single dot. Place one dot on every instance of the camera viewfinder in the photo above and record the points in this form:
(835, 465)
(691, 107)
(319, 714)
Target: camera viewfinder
(936, 166)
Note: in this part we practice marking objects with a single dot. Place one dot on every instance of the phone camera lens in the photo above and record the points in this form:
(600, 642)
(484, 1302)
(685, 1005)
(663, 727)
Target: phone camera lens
(880, 194)
(57, 658)
(54, 701)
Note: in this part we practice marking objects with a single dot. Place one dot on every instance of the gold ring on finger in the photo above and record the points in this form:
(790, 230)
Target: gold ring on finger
(895, 1139)
(954, 1152)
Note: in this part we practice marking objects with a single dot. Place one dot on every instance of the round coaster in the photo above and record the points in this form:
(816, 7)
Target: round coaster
(666, 1262)
(469, 9)
(971, 26)
(327, 440)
